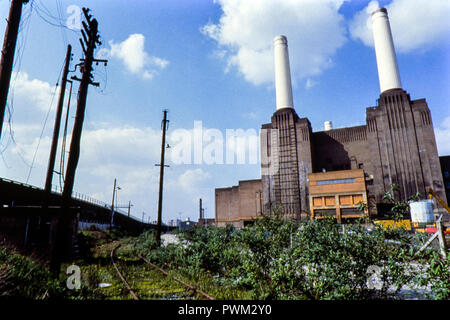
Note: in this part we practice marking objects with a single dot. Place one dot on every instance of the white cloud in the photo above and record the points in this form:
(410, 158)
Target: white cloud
(38, 93)
(442, 133)
(310, 83)
(415, 24)
(29, 101)
(132, 53)
(111, 144)
(192, 179)
(246, 29)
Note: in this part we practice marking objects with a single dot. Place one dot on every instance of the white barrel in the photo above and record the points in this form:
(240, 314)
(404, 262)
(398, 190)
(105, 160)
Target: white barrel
(421, 211)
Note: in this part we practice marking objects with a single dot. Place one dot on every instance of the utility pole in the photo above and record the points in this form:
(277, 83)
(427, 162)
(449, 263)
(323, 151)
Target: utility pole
(8, 50)
(61, 225)
(161, 177)
(112, 205)
(51, 161)
(202, 212)
(129, 208)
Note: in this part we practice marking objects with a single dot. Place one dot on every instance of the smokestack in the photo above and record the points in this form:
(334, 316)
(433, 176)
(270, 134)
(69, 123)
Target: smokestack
(283, 86)
(328, 125)
(388, 74)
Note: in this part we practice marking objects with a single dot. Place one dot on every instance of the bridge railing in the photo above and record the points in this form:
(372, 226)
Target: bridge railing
(76, 195)
(89, 199)
(82, 197)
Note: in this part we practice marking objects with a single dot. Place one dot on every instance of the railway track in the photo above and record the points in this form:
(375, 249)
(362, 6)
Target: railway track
(133, 294)
(194, 291)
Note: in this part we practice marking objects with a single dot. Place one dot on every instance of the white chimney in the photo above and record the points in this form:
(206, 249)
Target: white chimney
(388, 74)
(283, 85)
(328, 125)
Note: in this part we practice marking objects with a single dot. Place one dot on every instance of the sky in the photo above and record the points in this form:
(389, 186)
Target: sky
(210, 64)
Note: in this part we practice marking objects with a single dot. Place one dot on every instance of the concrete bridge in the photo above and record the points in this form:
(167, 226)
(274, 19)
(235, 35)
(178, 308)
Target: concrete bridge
(24, 222)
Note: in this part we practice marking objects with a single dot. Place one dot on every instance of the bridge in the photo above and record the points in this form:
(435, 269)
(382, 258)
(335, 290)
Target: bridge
(25, 222)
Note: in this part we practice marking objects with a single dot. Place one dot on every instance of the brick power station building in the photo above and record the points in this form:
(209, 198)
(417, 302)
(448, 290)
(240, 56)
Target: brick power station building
(307, 174)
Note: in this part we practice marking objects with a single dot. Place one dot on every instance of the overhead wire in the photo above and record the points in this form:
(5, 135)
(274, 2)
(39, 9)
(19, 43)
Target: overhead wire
(63, 30)
(25, 25)
(45, 14)
(45, 123)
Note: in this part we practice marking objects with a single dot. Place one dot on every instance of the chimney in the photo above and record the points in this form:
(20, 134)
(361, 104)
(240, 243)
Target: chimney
(327, 125)
(283, 86)
(388, 74)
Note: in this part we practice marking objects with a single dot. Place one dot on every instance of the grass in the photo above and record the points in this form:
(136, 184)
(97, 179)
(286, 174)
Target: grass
(146, 282)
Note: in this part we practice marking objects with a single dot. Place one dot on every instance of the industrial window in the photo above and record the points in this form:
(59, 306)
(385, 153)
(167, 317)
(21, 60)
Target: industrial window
(317, 201)
(335, 181)
(330, 201)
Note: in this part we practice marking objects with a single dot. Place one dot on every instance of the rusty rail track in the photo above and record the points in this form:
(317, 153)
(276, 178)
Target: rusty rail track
(187, 285)
(193, 288)
(121, 275)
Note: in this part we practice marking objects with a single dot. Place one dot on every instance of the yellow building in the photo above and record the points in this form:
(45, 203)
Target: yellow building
(338, 194)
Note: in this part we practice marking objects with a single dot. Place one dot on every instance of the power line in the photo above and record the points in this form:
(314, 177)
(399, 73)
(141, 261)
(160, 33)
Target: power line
(63, 30)
(45, 123)
(42, 133)
(18, 61)
(45, 14)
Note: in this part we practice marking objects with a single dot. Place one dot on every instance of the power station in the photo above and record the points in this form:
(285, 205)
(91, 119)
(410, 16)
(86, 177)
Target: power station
(333, 172)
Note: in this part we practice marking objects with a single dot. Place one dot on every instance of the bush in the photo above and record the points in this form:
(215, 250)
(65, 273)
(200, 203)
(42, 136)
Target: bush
(211, 249)
(277, 258)
(24, 278)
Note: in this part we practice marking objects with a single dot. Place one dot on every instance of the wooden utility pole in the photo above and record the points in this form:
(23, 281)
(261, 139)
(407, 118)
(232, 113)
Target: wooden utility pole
(8, 50)
(129, 208)
(51, 161)
(112, 206)
(161, 177)
(62, 221)
(202, 212)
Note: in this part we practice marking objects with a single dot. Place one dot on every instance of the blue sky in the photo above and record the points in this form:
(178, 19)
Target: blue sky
(208, 61)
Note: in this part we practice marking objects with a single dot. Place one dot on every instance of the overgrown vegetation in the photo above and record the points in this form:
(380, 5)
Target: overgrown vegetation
(275, 258)
(400, 208)
(23, 277)
(280, 259)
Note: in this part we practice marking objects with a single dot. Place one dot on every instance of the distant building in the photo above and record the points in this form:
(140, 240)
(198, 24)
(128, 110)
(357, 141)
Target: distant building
(186, 225)
(238, 205)
(206, 222)
(173, 222)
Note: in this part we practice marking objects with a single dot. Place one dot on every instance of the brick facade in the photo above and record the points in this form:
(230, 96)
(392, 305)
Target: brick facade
(397, 145)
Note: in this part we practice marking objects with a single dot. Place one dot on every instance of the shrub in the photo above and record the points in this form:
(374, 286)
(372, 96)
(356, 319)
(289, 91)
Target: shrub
(276, 258)
(24, 278)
